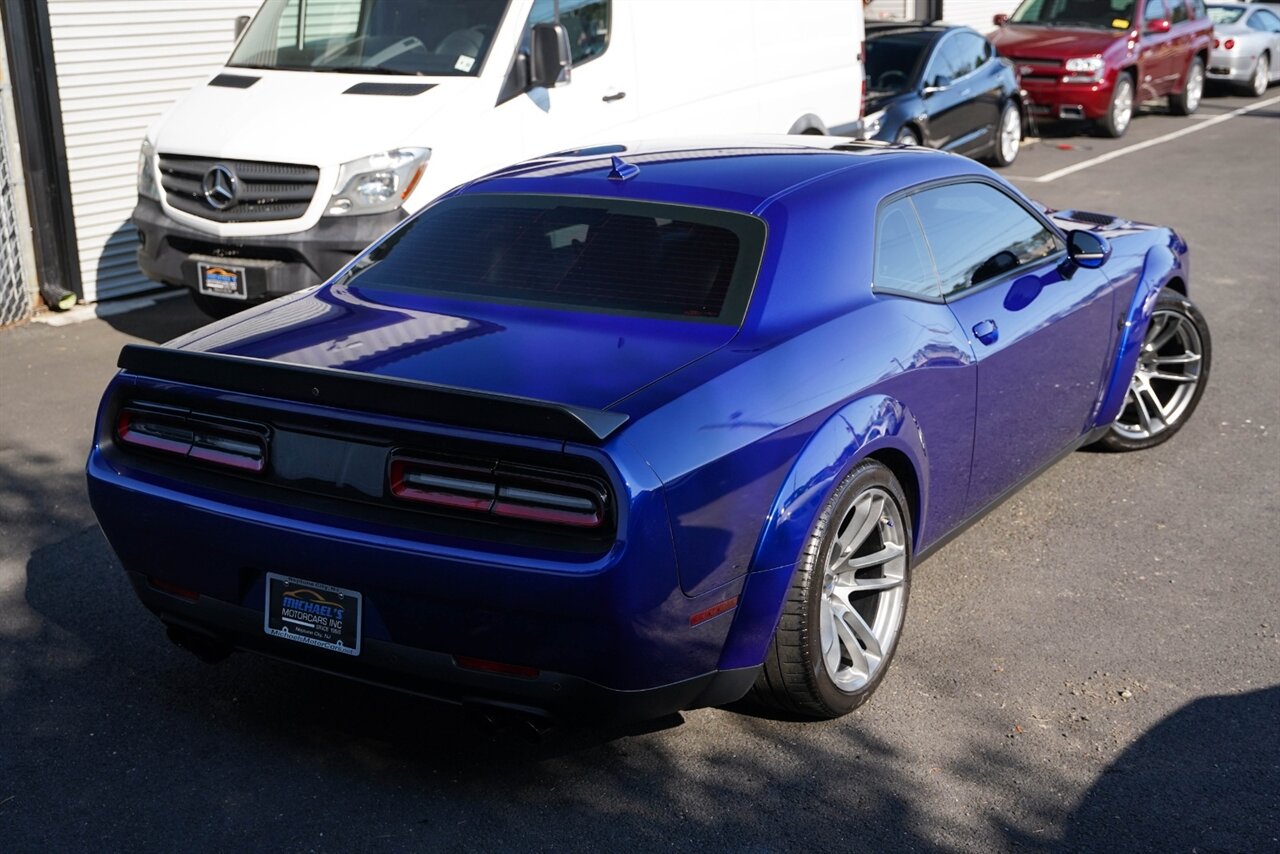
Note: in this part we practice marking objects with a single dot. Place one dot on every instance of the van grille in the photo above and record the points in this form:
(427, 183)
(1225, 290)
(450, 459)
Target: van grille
(257, 191)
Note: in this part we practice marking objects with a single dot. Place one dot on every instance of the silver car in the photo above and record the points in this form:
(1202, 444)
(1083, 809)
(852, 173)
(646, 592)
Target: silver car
(1246, 45)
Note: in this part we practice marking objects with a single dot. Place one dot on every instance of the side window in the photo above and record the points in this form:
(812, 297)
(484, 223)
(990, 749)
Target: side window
(973, 48)
(586, 22)
(1154, 11)
(977, 233)
(1177, 11)
(1270, 21)
(943, 68)
(903, 264)
(1198, 9)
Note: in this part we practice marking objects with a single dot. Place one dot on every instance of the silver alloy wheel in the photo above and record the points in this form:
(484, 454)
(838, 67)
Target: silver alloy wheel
(1010, 135)
(1165, 381)
(1261, 76)
(1122, 105)
(863, 598)
(1195, 86)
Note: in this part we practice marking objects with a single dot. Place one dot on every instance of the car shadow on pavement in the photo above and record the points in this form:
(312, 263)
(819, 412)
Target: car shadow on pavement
(171, 316)
(1205, 778)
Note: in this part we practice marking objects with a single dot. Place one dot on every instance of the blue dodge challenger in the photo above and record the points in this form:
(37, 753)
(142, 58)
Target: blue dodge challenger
(633, 429)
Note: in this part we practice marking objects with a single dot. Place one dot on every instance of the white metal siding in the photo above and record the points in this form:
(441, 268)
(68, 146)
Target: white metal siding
(976, 13)
(120, 64)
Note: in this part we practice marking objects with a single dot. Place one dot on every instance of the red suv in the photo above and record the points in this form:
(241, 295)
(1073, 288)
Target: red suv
(1094, 59)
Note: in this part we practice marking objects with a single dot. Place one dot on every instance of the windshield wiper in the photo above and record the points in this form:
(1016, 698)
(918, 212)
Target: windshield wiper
(365, 69)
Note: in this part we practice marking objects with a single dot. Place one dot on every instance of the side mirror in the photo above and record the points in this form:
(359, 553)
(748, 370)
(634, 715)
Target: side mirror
(1000, 19)
(1087, 249)
(242, 21)
(1159, 26)
(550, 62)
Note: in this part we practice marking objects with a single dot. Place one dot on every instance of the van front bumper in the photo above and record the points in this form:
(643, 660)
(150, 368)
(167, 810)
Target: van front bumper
(277, 264)
(1053, 99)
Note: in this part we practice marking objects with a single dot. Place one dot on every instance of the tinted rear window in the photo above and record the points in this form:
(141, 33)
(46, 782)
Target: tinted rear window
(595, 255)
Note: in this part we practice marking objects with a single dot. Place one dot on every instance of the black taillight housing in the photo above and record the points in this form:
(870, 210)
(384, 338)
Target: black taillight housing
(500, 489)
(214, 441)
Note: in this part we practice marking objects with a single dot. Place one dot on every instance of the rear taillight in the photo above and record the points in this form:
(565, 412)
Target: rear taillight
(208, 440)
(499, 489)
(1229, 44)
(1215, 43)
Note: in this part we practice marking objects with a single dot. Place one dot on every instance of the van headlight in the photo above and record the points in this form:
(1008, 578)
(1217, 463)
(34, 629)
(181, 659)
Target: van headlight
(1084, 69)
(148, 183)
(378, 183)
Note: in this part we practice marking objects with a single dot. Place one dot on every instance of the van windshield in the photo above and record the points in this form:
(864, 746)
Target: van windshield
(420, 37)
(1089, 14)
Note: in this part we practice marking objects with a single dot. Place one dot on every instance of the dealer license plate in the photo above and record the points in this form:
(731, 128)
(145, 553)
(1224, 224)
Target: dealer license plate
(313, 613)
(220, 280)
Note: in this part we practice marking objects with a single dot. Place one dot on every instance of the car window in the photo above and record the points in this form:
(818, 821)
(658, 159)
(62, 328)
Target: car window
(903, 264)
(1154, 11)
(1198, 10)
(586, 22)
(972, 47)
(943, 66)
(893, 60)
(977, 233)
(958, 57)
(1225, 14)
(1101, 14)
(1177, 11)
(1270, 21)
(593, 255)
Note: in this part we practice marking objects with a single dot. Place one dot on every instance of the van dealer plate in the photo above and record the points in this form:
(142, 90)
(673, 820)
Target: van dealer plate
(220, 280)
(313, 613)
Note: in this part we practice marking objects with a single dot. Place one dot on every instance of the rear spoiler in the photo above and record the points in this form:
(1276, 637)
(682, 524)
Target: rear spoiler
(367, 393)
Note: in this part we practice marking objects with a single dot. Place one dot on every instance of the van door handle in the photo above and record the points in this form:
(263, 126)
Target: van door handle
(986, 331)
(613, 96)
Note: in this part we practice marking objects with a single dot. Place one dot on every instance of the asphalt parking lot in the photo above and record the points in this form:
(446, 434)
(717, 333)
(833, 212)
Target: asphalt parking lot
(1096, 665)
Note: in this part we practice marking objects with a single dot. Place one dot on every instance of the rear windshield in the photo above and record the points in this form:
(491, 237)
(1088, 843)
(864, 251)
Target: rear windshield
(1225, 14)
(596, 255)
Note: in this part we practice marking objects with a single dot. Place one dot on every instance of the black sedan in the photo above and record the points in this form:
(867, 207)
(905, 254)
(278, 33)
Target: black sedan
(944, 87)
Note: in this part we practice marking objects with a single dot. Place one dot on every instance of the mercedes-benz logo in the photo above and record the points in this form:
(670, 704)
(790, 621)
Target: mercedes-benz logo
(219, 187)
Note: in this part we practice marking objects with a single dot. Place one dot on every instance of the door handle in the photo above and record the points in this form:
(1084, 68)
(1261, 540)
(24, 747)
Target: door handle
(986, 331)
(613, 96)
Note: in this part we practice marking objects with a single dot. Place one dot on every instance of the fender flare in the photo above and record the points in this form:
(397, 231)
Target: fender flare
(1158, 267)
(854, 432)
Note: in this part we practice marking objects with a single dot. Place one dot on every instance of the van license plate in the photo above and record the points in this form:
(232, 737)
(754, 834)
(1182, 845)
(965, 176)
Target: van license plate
(313, 613)
(219, 280)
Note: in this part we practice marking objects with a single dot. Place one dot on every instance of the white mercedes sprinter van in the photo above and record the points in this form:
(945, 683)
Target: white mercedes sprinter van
(335, 119)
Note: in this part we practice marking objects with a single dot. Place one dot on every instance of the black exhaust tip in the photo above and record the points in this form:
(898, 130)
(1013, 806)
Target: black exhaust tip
(203, 646)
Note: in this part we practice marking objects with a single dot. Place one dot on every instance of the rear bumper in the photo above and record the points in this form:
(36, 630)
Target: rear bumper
(169, 252)
(610, 636)
(1230, 67)
(437, 675)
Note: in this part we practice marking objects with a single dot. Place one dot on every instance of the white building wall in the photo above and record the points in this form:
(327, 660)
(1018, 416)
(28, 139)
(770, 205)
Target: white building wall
(120, 64)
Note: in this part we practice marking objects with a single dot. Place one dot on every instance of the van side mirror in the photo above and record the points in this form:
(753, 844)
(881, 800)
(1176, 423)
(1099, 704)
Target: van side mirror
(1087, 249)
(242, 21)
(1000, 19)
(1161, 25)
(550, 62)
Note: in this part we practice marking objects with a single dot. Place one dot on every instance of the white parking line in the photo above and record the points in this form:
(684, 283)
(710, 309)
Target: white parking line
(1121, 152)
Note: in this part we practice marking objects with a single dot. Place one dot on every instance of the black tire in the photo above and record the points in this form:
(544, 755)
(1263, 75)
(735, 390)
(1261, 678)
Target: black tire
(1187, 101)
(218, 307)
(796, 678)
(1173, 400)
(906, 136)
(1120, 109)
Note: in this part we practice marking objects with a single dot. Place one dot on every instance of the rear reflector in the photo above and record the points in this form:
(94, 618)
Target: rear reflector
(497, 489)
(173, 589)
(714, 611)
(237, 446)
(486, 666)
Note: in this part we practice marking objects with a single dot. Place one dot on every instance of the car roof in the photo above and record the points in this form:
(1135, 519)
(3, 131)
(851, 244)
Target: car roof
(740, 173)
